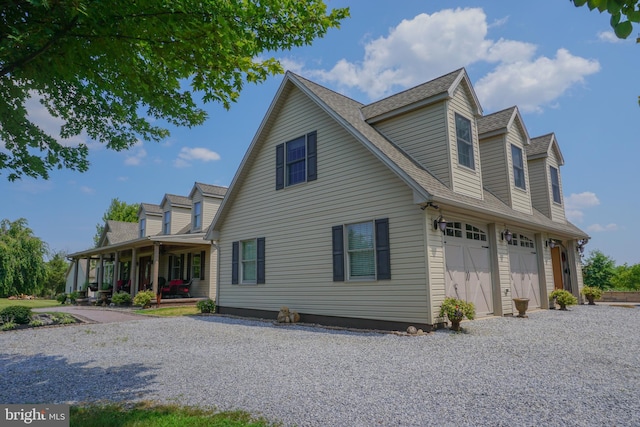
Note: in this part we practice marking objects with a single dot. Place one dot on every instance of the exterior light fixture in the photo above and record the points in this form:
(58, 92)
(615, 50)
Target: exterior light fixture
(440, 223)
(581, 245)
(507, 235)
(551, 243)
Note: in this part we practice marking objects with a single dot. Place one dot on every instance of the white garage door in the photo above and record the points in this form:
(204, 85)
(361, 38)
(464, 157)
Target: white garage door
(524, 269)
(468, 266)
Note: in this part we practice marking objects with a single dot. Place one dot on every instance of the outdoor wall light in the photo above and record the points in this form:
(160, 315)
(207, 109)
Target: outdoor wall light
(551, 243)
(506, 235)
(440, 223)
(581, 245)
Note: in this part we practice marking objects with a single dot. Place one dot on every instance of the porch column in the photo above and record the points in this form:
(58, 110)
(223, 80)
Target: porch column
(134, 274)
(156, 266)
(100, 271)
(76, 269)
(116, 271)
(87, 270)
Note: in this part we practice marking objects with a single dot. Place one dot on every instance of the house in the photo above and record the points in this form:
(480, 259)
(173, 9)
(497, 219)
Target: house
(370, 215)
(166, 244)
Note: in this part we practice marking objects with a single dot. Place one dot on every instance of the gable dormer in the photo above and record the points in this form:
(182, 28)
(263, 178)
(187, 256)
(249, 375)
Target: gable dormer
(435, 123)
(149, 220)
(205, 201)
(503, 140)
(544, 160)
(117, 232)
(176, 214)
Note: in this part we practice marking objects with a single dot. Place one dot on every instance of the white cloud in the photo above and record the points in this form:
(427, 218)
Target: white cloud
(609, 37)
(135, 154)
(596, 228)
(428, 46)
(531, 84)
(87, 190)
(576, 203)
(187, 155)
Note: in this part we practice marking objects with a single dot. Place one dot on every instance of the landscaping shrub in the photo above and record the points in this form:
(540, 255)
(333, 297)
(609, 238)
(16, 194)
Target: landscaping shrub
(206, 306)
(144, 298)
(121, 298)
(7, 325)
(564, 298)
(61, 298)
(21, 315)
(73, 296)
(63, 318)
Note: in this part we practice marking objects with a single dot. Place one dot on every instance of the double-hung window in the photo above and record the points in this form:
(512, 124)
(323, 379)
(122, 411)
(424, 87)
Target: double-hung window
(247, 262)
(363, 248)
(555, 184)
(296, 161)
(166, 223)
(464, 142)
(143, 227)
(518, 167)
(196, 266)
(197, 215)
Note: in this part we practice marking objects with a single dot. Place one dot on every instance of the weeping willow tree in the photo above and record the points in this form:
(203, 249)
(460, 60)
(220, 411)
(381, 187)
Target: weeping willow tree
(22, 266)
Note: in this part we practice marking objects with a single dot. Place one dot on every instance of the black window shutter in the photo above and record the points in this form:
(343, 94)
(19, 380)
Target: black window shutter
(202, 264)
(383, 254)
(338, 253)
(235, 252)
(260, 262)
(170, 267)
(312, 158)
(188, 266)
(280, 167)
(181, 267)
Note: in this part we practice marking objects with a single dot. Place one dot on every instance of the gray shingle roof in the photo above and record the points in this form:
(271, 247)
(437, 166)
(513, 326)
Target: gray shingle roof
(540, 145)
(412, 95)
(175, 200)
(151, 209)
(120, 231)
(495, 121)
(211, 190)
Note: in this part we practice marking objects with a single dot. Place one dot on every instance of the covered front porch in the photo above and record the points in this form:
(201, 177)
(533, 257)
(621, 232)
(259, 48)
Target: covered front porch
(174, 267)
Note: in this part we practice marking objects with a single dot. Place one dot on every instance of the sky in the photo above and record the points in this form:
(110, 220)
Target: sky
(561, 65)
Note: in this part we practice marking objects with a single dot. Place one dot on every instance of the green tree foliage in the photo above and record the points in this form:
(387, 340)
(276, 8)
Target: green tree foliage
(118, 211)
(22, 266)
(598, 270)
(111, 69)
(623, 13)
(627, 277)
(56, 278)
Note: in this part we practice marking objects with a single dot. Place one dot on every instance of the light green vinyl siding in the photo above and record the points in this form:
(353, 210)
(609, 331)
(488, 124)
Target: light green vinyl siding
(540, 185)
(464, 180)
(557, 209)
(495, 174)
(423, 135)
(520, 198)
(296, 222)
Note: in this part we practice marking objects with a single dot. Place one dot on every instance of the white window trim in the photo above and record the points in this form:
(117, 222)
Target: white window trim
(166, 222)
(197, 215)
(519, 168)
(347, 253)
(241, 279)
(287, 162)
(192, 273)
(553, 199)
(472, 154)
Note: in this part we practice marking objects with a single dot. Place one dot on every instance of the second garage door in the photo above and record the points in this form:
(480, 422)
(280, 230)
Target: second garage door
(524, 269)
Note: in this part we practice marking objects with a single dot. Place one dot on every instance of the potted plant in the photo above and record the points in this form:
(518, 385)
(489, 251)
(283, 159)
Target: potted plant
(591, 293)
(455, 310)
(563, 298)
(521, 305)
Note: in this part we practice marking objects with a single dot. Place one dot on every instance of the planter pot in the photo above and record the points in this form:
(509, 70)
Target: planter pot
(521, 305)
(455, 324)
(590, 299)
(563, 307)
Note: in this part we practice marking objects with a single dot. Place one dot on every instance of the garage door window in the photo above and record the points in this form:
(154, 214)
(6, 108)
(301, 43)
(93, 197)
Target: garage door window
(522, 241)
(474, 233)
(454, 229)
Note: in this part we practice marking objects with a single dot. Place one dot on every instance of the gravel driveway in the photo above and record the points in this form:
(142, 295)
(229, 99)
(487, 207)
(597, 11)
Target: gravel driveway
(575, 368)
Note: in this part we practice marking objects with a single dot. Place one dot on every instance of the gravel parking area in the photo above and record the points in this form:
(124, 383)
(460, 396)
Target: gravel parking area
(575, 368)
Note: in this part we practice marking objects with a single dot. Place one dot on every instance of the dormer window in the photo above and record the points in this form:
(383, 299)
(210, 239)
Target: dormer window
(465, 142)
(166, 223)
(518, 167)
(197, 215)
(143, 227)
(555, 185)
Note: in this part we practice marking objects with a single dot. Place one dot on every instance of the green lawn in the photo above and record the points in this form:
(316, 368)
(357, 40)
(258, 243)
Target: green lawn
(146, 415)
(169, 311)
(31, 303)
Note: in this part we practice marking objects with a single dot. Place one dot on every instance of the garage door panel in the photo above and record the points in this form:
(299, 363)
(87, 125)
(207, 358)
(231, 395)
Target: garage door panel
(525, 282)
